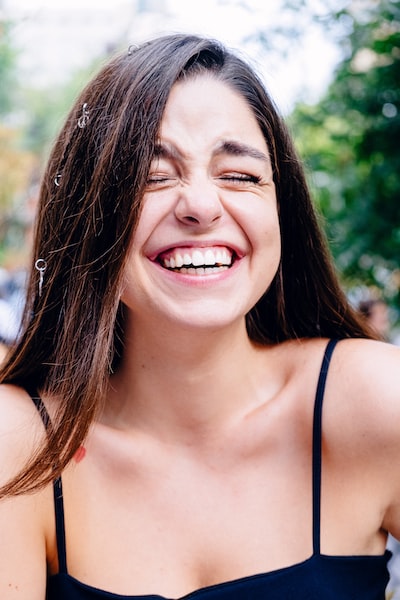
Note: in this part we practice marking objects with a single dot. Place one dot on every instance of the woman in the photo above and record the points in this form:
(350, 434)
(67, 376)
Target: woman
(176, 346)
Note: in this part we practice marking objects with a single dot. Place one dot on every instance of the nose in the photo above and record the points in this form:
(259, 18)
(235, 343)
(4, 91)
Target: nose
(199, 205)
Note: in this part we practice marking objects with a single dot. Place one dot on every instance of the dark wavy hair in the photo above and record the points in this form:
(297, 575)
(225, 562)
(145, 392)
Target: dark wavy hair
(90, 202)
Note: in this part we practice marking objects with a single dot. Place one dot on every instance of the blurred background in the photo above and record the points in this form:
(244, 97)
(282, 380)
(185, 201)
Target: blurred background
(333, 67)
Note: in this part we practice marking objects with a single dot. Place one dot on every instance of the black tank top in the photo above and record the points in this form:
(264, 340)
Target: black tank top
(319, 577)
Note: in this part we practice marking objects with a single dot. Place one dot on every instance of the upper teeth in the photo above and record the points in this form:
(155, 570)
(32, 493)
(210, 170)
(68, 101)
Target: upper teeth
(198, 257)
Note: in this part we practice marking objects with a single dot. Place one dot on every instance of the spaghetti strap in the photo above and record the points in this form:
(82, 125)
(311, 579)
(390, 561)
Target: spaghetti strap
(42, 410)
(317, 446)
(57, 489)
(60, 525)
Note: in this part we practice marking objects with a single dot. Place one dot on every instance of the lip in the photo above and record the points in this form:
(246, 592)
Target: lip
(196, 280)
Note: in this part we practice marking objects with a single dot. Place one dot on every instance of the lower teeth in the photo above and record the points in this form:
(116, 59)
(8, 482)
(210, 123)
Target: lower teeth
(199, 270)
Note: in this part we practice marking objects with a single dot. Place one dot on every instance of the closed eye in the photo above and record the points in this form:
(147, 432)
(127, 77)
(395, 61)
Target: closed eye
(159, 179)
(240, 178)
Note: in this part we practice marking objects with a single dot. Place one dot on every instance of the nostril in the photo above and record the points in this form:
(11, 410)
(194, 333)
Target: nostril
(198, 207)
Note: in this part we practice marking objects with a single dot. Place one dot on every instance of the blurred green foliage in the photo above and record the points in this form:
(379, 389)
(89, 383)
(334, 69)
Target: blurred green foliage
(350, 142)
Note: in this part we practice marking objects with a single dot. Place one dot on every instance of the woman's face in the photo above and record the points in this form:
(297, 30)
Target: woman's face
(207, 245)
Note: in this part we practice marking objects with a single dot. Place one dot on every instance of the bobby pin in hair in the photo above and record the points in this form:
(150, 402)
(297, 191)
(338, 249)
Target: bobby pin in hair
(57, 179)
(84, 118)
(41, 266)
(132, 49)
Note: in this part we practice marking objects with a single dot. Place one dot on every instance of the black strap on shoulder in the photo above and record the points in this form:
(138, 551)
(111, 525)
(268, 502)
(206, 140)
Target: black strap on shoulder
(42, 410)
(317, 445)
(60, 525)
(57, 490)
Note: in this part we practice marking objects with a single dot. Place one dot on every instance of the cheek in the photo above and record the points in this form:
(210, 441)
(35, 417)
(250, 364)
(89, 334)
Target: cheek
(264, 230)
(270, 249)
(269, 252)
(131, 276)
(267, 248)
(273, 233)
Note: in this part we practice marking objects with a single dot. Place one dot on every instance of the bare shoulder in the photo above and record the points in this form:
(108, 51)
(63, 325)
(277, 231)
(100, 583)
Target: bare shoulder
(14, 398)
(362, 391)
(368, 369)
(21, 429)
(17, 410)
(362, 399)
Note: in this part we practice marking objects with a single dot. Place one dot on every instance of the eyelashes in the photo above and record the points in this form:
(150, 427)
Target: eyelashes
(241, 178)
(155, 180)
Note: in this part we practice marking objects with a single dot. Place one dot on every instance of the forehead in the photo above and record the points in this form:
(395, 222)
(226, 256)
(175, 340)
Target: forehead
(205, 110)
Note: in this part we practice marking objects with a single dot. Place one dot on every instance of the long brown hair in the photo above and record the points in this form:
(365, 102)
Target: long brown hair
(90, 202)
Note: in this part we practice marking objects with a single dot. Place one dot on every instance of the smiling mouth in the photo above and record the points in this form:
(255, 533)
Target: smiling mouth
(197, 261)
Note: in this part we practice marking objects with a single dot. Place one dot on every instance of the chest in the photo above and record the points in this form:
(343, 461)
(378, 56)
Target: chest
(139, 512)
(191, 521)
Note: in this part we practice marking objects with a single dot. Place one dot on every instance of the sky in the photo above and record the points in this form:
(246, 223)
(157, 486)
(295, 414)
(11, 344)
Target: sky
(56, 37)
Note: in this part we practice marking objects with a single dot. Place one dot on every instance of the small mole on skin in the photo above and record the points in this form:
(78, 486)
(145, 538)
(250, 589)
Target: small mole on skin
(80, 454)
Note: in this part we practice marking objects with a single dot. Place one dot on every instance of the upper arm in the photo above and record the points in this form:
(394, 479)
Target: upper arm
(22, 517)
(22, 550)
(365, 415)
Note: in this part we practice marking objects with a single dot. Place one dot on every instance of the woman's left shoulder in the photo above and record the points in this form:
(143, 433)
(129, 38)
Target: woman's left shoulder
(367, 365)
(364, 384)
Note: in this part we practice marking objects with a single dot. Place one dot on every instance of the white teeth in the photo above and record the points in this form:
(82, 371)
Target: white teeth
(199, 260)
(202, 270)
(209, 258)
(178, 260)
(223, 257)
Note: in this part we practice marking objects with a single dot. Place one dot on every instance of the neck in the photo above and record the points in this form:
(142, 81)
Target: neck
(183, 380)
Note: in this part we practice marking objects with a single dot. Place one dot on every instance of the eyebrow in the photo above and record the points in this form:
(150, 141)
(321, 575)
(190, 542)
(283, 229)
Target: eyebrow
(166, 151)
(230, 147)
(234, 148)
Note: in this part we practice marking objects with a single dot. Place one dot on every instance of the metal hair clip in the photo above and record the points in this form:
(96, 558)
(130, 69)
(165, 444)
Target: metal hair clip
(41, 266)
(57, 179)
(132, 49)
(84, 118)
